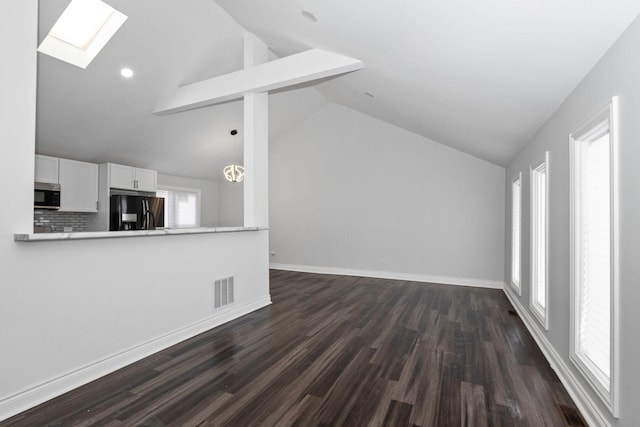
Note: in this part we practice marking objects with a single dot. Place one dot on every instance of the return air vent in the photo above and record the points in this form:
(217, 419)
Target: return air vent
(222, 292)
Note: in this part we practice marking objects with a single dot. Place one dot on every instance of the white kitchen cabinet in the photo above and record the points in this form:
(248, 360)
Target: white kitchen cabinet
(146, 180)
(122, 176)
(130, 178)
(46, 169)
(78, 186)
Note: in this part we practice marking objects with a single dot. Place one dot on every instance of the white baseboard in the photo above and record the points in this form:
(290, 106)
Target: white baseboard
(588, 407)
(41, 393)
(459, 281)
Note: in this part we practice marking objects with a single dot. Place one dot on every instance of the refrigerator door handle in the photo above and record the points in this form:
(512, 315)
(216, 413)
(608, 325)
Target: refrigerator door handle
(148, 217)
(144, 215)
(147, 214)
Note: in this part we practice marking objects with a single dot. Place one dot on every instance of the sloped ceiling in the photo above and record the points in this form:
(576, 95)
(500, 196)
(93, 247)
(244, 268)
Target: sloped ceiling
(96, 115)
(479, 76)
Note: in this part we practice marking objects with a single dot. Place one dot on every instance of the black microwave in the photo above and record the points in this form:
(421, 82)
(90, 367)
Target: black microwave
(46, 196)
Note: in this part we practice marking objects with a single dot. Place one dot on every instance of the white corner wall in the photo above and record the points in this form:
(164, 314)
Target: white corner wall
(617, 73)
(354, 195)
(231, 204)
(71, 311)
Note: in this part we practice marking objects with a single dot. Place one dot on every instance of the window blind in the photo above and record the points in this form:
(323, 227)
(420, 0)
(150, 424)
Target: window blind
(594, 252)
(515, 233)
(539, 237)
(181, 208)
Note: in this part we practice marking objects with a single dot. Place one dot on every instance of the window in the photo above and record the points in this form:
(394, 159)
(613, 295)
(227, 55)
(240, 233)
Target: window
(594, 253)
(539, 173)
(181, 207)
(81, 32)
(516, 196)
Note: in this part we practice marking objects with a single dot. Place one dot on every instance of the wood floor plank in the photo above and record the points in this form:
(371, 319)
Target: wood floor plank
(398, 414)
(473, 408)
(336, 351)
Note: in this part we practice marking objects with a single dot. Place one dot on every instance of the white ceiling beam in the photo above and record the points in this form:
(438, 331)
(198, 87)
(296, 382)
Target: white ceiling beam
(303, 67)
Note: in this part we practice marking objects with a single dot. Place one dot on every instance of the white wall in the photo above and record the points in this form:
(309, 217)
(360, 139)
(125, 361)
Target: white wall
(230, 204)
(208, 195)
(348, 191)
(74, 310)
(618, 73)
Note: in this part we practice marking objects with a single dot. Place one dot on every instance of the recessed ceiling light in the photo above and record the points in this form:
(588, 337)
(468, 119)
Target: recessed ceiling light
(81, 32)
(126, 72)
(309, 16)
(370, 95)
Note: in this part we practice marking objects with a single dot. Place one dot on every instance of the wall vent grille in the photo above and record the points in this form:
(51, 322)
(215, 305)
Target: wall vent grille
(222, 292)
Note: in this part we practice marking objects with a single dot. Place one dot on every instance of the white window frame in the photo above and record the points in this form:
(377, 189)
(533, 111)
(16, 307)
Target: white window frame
(584, 366)
(540, 312)
(516, 282)
(190, 190)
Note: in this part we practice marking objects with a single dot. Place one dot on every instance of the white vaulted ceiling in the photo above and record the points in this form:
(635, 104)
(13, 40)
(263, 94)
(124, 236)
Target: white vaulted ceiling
(480, 76)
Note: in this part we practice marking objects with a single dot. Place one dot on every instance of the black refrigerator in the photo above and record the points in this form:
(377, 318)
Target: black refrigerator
(136, 212)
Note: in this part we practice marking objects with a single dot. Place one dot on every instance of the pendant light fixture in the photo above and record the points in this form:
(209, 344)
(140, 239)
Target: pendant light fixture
(234, 173)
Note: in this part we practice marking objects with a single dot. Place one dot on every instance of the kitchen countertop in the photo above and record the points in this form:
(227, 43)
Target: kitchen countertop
(43, 237)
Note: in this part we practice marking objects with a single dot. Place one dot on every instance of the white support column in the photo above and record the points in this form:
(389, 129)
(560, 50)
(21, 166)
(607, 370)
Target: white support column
(256, 142)
(255, 51)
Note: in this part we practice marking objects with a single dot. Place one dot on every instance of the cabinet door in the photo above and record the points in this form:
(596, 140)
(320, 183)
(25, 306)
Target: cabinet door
(146, 180)
(78, 186)
(46, 169)
(122, 176)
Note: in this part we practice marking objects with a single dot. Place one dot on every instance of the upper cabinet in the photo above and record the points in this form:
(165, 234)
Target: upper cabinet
(146, 180)
(78, 182)
(79, 186)
(130, 178)
(122, 176)
(46, 169)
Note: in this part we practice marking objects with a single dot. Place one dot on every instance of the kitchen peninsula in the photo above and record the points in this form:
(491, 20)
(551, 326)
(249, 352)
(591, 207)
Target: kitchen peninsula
(43, 237)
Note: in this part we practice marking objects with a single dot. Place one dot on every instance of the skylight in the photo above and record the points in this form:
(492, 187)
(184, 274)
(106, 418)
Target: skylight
(81, 32)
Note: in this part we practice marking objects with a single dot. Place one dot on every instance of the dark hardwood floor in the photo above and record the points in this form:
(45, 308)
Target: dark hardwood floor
(337, 351)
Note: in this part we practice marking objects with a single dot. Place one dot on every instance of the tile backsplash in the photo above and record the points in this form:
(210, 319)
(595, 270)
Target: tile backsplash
(78, 221)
